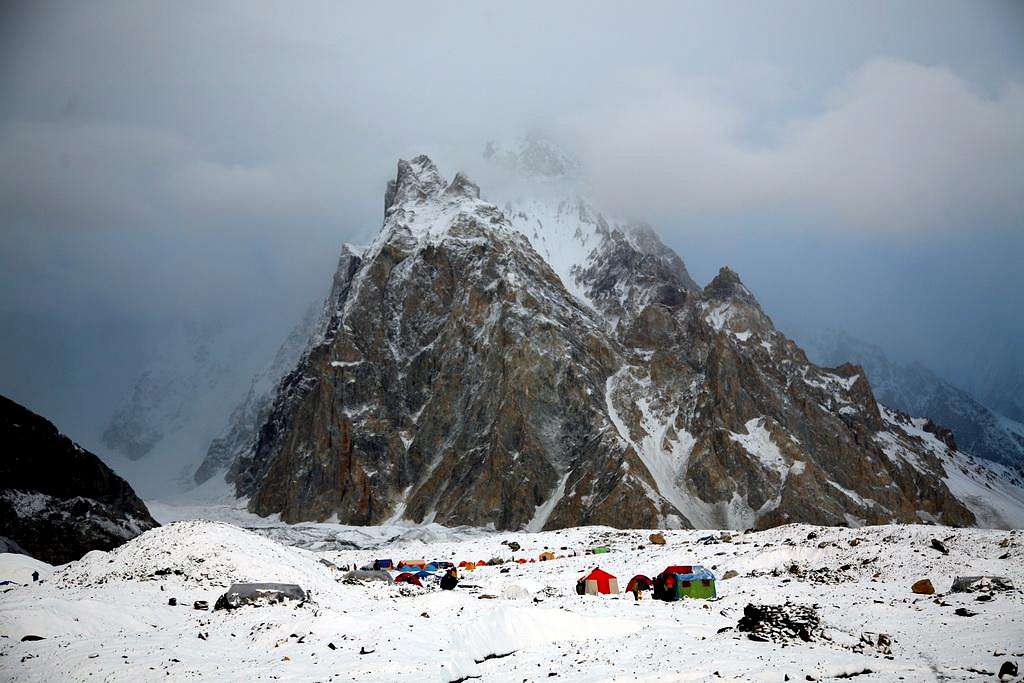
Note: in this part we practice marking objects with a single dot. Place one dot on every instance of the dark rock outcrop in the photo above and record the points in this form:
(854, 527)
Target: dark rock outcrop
(57, 500)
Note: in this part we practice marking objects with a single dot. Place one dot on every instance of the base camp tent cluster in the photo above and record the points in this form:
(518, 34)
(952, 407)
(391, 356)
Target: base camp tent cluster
(675, 583)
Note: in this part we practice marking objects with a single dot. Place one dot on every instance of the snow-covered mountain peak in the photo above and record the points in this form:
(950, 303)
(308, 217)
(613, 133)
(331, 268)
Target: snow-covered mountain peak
(533, 156)
(417, 180)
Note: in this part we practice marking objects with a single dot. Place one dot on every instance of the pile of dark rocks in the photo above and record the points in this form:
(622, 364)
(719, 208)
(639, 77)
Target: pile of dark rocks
(781, 623)
(819, 575)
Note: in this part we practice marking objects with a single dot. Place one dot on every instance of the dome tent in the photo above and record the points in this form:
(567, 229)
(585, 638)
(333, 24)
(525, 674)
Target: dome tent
(406, 577)
(640, 581)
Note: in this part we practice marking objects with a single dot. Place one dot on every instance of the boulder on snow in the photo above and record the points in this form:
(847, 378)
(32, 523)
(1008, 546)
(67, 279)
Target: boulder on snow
(731, 574)
(657, 539)
(923, 587)
(1008, 671)
(515, 592)
(259, 594)
(970, 584)
(940, 546)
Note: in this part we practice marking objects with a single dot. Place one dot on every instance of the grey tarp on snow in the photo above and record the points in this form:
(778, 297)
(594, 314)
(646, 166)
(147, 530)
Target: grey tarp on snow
(368, 575)
(969, 584)
(258, 593)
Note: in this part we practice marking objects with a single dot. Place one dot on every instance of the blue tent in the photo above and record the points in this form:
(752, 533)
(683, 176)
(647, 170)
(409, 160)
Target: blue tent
(423, 574)
(432, 567)
(383, 564)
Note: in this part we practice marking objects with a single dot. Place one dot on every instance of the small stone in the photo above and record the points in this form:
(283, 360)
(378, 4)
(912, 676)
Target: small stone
(731, 574)
(923, 587)
(201, 605)
(172, 602)
(657, 539)
(964, 612)
(940, 546)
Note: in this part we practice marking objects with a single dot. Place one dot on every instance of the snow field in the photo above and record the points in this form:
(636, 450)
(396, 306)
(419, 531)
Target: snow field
(106, 617)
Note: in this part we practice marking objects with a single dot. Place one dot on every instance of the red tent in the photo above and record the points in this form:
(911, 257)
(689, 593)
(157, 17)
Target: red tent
(463, 564)
(679, 569)
(641, 581)
(599, 581)
(406, 577)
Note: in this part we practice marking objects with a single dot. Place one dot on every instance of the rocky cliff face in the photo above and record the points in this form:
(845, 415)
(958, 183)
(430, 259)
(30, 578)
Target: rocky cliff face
(58, 501)
(541, 367)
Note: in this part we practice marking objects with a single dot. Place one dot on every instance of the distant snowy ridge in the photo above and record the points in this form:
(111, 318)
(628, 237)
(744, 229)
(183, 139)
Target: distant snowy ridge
(915, 390)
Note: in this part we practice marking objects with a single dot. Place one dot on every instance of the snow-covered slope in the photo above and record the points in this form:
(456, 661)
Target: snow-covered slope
(107, 617)
(992, 491)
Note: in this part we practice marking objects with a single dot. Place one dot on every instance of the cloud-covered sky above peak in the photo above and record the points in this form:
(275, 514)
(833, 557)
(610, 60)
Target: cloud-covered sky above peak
(895, 146)
(169, 161)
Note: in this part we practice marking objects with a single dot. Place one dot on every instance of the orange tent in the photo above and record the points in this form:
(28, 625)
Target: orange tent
(546, 555)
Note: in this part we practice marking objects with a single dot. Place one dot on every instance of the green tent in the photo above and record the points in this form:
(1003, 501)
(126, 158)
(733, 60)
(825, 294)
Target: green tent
(684, 581)
(600, 549)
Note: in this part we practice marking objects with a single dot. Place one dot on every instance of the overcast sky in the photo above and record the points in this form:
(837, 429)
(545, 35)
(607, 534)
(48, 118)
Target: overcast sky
(861, 165)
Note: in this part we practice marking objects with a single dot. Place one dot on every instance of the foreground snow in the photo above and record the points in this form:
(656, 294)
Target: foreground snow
(106, 617)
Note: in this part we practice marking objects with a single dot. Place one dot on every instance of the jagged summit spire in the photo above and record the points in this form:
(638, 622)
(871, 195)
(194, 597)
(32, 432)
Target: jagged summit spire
(727, 285)
(462, 186)
(419, 179)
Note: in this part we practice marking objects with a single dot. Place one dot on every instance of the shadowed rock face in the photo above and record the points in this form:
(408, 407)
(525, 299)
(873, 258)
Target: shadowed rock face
(58, 501)
(454, 378)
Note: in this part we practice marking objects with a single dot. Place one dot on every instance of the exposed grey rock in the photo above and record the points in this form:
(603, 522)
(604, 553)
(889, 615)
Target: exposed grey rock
(259, 594)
